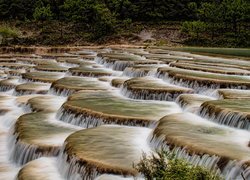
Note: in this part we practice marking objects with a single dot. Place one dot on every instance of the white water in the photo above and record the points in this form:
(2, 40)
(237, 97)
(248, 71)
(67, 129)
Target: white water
(17, 153)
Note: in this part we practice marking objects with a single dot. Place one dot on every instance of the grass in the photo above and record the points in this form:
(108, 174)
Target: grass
(8, 32)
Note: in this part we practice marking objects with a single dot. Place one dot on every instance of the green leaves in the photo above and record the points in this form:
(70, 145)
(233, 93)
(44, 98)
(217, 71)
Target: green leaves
(43, 13)
(165, 166)
(194, 28)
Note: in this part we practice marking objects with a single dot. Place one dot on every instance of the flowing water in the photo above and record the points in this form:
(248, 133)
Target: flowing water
(91, 113)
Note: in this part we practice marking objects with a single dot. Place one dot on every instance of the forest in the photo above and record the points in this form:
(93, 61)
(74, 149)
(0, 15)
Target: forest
(223, 22)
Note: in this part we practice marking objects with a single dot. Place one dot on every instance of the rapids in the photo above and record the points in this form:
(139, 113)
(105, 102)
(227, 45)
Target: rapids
(90, 113)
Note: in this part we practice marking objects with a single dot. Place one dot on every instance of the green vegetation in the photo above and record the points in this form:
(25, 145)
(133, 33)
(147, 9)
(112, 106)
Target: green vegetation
(7, 32)
(165, 166)
(205, 22)
(225, 22)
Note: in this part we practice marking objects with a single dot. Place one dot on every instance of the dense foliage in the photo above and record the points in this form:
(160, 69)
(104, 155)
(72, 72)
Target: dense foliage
(164, 166)
(205, 19)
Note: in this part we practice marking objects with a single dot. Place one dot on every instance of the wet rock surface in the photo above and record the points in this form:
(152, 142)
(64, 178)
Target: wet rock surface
(86, 113)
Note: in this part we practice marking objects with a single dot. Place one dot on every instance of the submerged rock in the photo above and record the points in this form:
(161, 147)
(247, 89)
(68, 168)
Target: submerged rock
(103, 150)
(204, 80)
(40, 169)
(204, 143)
(34, 136)
(69, 85)
(149, 88)
(46, 77)
(230, 112)
(94, 108)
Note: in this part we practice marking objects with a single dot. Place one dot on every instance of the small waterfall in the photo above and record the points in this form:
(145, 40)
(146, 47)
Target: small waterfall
(61, 92)
(114, 64)
(232, 119)
(227, 168)
(144, 94)
(103, 62)
(90, 74)
(4, 88)
(88, 119)
(130, 72)
(75, 169)
(198, 85)
(121, 65)
(27, 92)
(22, 153)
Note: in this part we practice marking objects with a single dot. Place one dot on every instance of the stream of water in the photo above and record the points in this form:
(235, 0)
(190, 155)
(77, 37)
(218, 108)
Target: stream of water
(90, 114)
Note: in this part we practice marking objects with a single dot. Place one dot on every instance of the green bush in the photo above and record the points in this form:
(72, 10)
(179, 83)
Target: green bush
(43, 13)
(165, 166)
(194, 28)
(8, 32)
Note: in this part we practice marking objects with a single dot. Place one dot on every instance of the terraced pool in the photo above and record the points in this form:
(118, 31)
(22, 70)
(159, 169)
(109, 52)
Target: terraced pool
(91, 113)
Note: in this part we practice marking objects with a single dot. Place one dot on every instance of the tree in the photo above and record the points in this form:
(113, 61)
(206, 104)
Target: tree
(211, 14)
(104, 21)
(78, 10)
(234, 13)
(43, 13)
(16, 9)
(194, 28)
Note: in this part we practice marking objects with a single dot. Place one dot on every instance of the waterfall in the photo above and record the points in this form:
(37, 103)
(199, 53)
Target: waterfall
(134, 72)
(116, 65)
(227, 168)
(75, 169)
(232, 119)
(27, 92)
(148, 94)
(61, 92)
(22, 153)
(5, 88)
(198, 85)
(90, 119)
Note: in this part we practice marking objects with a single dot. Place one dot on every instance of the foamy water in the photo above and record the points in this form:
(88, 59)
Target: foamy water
(36, 153)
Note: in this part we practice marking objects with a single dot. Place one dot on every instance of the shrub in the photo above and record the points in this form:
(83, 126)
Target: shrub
(7, 32)
(43, 13)
(194, 28)
(165, 166)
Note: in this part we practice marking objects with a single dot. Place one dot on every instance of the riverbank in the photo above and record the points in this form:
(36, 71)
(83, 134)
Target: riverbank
(56, 33)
